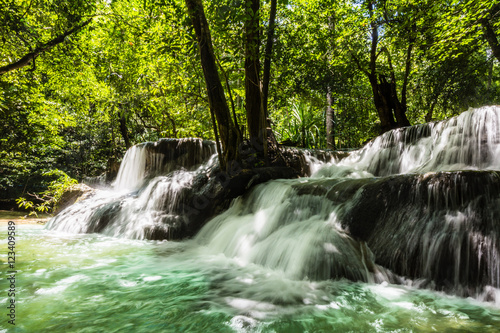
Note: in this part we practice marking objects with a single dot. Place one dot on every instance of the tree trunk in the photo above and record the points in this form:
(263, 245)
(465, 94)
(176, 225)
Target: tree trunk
(217, 100)
(397, 108)
(228, 87)
(385, 95)
(490, 34)
(124, 130)
(252, 69)
(381, 93)
(330, 121)
(428, 116)
(402, 106)
(490, 76)
(330, 113)
(267, 57)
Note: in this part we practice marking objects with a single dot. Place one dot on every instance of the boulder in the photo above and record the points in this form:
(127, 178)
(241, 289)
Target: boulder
(72, 195)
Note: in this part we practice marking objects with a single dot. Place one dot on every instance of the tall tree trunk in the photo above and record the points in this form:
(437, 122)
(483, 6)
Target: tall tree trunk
(252, 69)
(383, 102)
(385, 96)
(228, 133)
(402, 107)
(391, 92)
(330, 112)
(230, 95)
(267, 57)
(330, 121)
(428, 116)
(409, 51)
(379, 91)
(490, 75)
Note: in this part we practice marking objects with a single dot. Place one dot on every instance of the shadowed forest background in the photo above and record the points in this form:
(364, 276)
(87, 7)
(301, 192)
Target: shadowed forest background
(81, 81)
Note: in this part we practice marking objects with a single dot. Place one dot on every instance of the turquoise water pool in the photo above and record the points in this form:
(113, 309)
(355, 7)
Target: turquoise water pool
(93, 283)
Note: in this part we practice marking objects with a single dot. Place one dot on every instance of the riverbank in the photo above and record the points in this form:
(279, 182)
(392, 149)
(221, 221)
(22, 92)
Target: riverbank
(22, 218)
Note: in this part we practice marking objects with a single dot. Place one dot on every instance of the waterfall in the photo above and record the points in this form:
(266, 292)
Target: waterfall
(132, 169)
(155, 158)
(299, 235)
(143, 202)
(418, 205)
(470, 141)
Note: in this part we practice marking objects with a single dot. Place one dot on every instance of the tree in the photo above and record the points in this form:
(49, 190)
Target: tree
(391, 108)
(330, 112)
(466, 24)
(252, 71)
(268, 55)
(218, 106)
(256, 90)
(133, 74)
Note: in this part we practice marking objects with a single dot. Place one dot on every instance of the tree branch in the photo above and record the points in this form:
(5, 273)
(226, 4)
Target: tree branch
(491, 37)
(358, 63)
(24, 61)
(374, 43)
(228, 87)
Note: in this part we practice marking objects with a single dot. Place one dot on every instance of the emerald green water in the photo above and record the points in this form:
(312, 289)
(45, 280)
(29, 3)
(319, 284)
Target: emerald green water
(92, 283)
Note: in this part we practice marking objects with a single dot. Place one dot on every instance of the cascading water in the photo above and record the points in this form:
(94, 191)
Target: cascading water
(361, 245)
(141, 202)
(470, 141)
(417, 205)
(144, 161)
(299, 237)
(400, 204)
(433, 216)
(132, 169)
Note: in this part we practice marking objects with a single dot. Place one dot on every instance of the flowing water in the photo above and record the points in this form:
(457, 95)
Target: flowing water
(402, 235)
(96, 283)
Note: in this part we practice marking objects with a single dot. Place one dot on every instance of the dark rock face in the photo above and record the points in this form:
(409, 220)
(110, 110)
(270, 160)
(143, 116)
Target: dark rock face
(167, 155)
(441, 227)
(102, 216)
(444, 228)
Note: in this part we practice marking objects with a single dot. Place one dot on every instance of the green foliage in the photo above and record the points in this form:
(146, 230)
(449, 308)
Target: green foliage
(48, 199)
(134, 73)
(301, 126)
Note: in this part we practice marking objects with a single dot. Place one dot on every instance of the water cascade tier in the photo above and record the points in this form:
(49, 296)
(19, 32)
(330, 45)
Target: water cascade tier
(441, 228)
(417, 205)
(145, 200)
(144, 161)
(168, 190)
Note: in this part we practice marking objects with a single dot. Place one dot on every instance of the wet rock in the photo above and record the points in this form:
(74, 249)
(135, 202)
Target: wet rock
(211, 194)
(299, 158)
(166, 155)
(72, 195)
(440, 227)
(102, 216)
